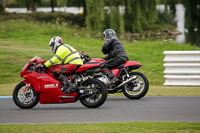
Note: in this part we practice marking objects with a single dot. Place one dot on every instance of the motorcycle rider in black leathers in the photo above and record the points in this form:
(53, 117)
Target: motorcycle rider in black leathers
(116, 54)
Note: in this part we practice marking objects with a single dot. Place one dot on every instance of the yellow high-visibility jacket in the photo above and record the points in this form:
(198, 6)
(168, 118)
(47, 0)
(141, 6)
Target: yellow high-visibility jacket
(65, 54)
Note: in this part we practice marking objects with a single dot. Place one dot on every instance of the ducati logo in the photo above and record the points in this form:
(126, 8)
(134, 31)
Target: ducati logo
(51, 86)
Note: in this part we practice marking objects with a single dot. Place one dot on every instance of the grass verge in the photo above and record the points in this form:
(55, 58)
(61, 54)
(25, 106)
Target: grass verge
(7, 89)
(174, 91)
(128, 127)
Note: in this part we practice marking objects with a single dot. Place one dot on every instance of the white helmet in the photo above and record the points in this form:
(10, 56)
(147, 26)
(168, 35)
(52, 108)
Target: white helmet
(55, 42)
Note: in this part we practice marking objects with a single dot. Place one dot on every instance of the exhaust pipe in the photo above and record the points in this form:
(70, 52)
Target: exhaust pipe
(126, 82)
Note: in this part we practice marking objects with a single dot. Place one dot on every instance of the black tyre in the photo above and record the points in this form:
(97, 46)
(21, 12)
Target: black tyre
(137, 88)
(97, 93)
(27, 99)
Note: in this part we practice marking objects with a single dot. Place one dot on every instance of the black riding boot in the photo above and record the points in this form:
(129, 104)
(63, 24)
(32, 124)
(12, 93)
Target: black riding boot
(112, 77)
(67, 87)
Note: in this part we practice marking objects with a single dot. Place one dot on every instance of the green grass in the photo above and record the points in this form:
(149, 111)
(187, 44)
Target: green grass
(173, 91)
(128, 127)
(7, 89)
(21, 40)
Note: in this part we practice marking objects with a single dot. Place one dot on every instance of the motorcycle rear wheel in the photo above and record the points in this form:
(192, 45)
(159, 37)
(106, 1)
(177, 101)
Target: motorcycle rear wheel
(137, 88)
(25, 100)
(97, 93)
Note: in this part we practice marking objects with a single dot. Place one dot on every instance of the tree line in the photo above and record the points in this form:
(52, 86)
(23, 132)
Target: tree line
(120, 15)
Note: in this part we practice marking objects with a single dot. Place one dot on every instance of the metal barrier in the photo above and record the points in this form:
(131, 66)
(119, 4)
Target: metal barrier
(182, 68)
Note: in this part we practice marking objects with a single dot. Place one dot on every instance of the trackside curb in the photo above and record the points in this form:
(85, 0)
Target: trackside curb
(5, 97)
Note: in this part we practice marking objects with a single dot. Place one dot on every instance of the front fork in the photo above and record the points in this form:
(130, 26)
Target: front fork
(28, 85)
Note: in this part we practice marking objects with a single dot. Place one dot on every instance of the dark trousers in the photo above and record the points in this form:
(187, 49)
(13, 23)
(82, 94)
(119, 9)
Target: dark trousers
(114, 62)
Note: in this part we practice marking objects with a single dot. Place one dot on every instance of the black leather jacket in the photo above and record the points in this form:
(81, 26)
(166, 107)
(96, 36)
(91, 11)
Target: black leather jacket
(114, 48)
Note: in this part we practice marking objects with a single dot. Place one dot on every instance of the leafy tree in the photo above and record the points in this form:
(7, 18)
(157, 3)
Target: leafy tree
(139, 14)
(95, 16)
(53, 2)
(31, 5)
(78, 3)
(151, 13)
(192, 15)
(2, 5)
(132, 16)
(58, 3)
(116, 19)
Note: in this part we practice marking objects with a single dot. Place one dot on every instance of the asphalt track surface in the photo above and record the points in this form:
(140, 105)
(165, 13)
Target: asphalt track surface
(115, 109)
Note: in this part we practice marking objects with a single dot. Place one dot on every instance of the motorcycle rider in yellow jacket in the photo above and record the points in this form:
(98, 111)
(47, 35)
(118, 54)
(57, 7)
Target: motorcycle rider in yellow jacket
(66, 60)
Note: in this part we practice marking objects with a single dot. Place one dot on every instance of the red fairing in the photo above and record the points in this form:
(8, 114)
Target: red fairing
(132, 63)
(97, 60)
(40, 81)
(48, 87)
(86, 67)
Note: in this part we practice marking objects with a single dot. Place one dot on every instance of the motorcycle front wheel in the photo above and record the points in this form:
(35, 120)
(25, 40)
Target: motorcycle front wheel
(137, 88)
(97, 93)
(25, 99)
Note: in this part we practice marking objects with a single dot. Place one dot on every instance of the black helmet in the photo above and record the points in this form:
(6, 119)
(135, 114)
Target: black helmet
(109, 34)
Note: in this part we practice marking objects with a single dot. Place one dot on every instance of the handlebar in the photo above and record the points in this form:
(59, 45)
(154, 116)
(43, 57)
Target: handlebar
(34, 66)
(84, 57)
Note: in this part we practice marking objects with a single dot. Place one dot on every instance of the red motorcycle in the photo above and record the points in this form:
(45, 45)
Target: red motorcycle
(134, 85)
(41, 86)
